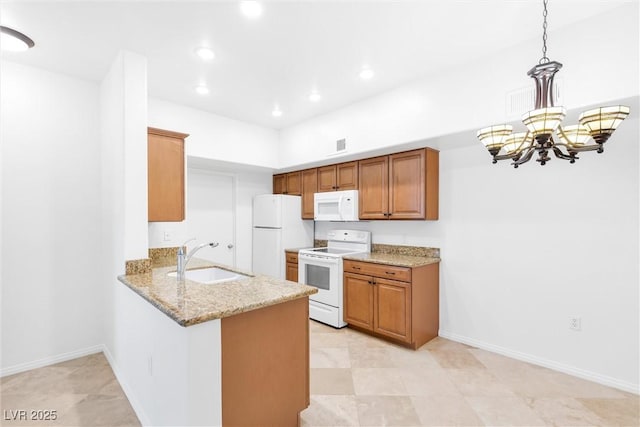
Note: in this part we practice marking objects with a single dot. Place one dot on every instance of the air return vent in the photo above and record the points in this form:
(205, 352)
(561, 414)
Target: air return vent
(341, 147)
(522, 100)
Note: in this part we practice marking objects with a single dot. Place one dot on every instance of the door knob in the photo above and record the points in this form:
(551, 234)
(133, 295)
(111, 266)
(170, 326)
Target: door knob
(230, 246)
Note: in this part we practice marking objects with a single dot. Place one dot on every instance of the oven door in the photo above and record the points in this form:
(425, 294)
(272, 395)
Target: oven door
(322, 273)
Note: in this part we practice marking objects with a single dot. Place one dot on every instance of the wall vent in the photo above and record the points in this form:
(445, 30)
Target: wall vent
(520, 101)
(341, 144)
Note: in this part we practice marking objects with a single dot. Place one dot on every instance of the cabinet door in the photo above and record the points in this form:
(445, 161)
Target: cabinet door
(327, 178)
(292, 272)
(373, 183)
(407, 185)
(294, 183)
(347, 176)
(165, 163)
(279, 184)
(392, 309)
(358, 300)
(309, 188)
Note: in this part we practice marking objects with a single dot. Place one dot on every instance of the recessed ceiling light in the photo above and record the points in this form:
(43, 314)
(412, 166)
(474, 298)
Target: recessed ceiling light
(14, 41)
(315, 96)
(202, 90)
(251, 9)
(205, 53)
(366, 73)
(276, 112)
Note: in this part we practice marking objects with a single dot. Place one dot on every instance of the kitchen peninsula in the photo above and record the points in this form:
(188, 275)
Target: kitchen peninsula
(232, 353)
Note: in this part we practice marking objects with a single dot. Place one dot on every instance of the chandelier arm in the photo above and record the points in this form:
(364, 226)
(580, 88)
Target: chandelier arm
(559, 154)
(526, 157)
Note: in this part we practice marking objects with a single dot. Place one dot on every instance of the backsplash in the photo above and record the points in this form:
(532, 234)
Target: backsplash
(163, 257)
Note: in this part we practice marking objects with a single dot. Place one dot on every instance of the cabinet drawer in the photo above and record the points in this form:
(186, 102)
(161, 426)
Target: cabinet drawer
(378, 270)
(292, 257)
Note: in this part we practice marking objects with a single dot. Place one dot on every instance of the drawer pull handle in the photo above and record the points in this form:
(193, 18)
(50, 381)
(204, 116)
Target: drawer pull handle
(355, 267)
(390, 272)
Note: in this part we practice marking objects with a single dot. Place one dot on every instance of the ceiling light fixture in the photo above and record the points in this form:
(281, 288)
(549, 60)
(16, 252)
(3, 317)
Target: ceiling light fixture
(251, 9)
(276, 112)
(315, 96)
(598, 124)
(205, 53)
(14, 41)
(366, 73)
(202, 90)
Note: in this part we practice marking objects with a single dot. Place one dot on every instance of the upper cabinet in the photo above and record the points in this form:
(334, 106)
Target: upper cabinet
(343, 176)
(165, 166)
(309, 188)
(400, 186)
(397, 186)
(288, 183)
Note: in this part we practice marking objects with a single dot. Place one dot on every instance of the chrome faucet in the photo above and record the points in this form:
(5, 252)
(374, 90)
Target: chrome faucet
(184, 259)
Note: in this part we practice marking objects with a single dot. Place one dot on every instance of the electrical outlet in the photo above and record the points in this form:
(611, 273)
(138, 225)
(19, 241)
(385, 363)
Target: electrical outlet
(150, 365)
(575, 323)
(167, 235)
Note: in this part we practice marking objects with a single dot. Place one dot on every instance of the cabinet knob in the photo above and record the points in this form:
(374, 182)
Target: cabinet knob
(230, 246)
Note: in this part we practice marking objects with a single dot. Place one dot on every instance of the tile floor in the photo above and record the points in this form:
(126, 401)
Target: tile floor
(357, 380)
(83, 392)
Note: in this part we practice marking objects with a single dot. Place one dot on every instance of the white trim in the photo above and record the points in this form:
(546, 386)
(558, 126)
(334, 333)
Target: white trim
(16, 369)
(560, 367)
(128, 391)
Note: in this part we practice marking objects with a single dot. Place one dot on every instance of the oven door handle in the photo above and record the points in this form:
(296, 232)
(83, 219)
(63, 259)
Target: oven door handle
(318, 261)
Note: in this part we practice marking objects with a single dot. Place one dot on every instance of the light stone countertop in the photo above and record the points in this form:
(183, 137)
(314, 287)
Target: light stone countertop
(393, 259)
(190, 303)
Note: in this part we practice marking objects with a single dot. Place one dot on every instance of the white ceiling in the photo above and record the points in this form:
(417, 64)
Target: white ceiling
(279, 58)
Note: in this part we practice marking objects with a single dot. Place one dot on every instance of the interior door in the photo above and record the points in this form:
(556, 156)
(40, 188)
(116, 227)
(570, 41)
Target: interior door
(211, 215)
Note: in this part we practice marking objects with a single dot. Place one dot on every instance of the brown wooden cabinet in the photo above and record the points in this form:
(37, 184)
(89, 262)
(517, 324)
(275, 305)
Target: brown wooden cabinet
(343, 176)
(292, 266)
(399, 186)
(395, 302)
(288, 183)
(265, 365)
(309, 188)
(165, 163)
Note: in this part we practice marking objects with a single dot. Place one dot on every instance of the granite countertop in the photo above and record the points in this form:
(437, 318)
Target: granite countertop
(190, 303)
(394, 259)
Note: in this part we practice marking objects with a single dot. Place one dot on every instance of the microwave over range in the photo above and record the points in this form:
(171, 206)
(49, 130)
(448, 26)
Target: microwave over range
(336, 206)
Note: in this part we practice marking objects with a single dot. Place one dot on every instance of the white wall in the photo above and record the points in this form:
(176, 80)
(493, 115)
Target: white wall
(51, 264)
(216, 137)
(474, 95)
(247, 185)
(225, 146)
(523, 250)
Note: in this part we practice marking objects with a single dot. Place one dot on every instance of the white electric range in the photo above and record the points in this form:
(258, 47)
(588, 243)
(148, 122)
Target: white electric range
(322, 268)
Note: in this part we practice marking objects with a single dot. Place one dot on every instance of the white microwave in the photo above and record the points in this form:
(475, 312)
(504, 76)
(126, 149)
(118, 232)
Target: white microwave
(336, 206)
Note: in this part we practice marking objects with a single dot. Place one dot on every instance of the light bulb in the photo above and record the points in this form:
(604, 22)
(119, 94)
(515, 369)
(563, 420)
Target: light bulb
(251, 9)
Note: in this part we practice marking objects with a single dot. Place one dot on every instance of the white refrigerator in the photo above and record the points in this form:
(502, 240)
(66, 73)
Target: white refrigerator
(277, 225)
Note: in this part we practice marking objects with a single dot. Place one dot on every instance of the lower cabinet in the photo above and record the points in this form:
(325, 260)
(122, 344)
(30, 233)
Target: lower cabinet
(395, 302)
(292, 266)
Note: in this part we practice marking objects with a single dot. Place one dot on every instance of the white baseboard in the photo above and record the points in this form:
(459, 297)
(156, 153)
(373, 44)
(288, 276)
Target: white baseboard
(128, 391)
(16, 369)
(546, 363)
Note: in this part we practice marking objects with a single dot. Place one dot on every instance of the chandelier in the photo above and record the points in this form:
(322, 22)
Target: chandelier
(544, 132)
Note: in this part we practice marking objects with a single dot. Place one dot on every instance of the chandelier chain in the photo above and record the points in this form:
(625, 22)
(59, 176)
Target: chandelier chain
(544, 58)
